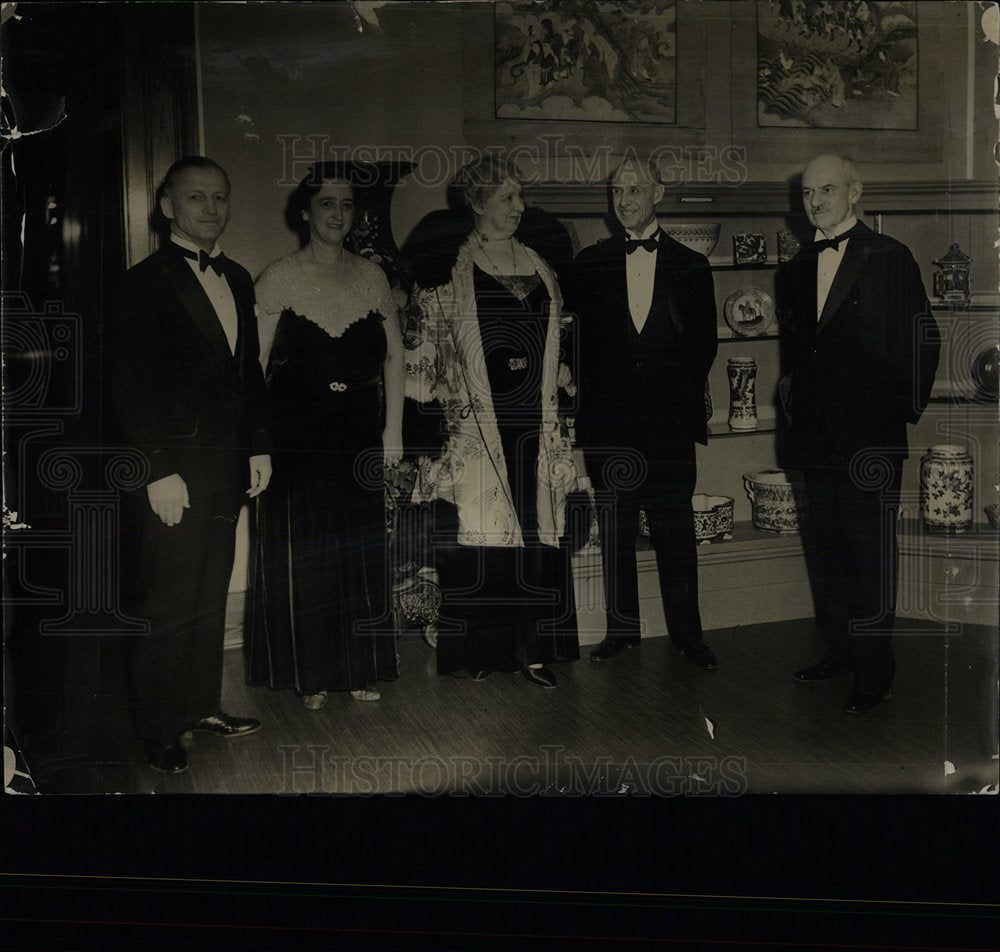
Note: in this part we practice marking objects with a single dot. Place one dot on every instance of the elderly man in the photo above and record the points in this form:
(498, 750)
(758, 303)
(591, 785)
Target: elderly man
(864, 352)
(647, 338)
(189, 392)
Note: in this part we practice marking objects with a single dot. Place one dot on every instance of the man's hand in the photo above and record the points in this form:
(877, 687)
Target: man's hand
(168, 498)
(260, 474)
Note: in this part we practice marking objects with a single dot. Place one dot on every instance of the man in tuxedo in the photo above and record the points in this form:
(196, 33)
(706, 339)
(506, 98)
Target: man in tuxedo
(864, 350)
(646, 332)
(188, 391)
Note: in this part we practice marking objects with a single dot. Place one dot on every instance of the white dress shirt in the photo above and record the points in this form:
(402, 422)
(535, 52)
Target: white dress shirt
(827, 262)
(218, 291)
(640, 273)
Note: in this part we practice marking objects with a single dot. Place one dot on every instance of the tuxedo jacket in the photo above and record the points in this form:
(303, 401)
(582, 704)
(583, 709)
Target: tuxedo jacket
(865, 368)
(179, 394)
(620, 401)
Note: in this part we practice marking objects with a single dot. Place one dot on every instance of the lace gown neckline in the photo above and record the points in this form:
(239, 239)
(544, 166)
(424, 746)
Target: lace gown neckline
(288, 288)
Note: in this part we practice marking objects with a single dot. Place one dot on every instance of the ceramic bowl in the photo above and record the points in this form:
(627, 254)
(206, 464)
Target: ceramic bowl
(699, 236)
(778, 499)
(713, 515)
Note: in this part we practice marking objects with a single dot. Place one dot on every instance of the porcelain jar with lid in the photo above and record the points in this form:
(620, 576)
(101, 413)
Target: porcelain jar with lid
(946, 488)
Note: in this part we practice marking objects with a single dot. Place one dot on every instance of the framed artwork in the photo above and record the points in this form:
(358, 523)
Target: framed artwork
(837, 65)
(588, 60)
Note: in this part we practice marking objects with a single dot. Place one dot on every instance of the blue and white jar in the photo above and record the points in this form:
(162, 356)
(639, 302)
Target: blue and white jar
(946, 488)
(742, 393)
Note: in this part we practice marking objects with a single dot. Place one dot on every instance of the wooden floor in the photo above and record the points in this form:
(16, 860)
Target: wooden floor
(647, 722)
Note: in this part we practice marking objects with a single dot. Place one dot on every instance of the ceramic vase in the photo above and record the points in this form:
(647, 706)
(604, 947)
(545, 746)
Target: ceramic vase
(742, 398)
(946, 488)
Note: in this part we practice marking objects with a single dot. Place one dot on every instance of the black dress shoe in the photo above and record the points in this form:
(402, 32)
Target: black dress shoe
(608, 648)
(821, 671)
(543, 677)
(861, 702)
(700, 655)
(166, 758)
(225, 725)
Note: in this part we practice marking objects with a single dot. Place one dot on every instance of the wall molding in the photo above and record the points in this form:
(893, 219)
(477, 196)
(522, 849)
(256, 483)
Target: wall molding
(588, 198)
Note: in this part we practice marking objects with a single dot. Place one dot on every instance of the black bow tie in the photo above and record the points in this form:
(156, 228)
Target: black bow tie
(825, 243)
(833, 243)
(648, 243)
(205, 260)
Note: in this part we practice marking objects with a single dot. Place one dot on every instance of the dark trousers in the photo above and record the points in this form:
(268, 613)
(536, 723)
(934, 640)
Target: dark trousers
(184, 573)
(661, 485)
(853, 507)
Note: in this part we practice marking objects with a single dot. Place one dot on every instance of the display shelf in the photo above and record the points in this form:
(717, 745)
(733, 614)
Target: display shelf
(980, 541)
(726, 335)
(960, 393)
(767, 199)
(963, 399)
(760, 576)
(754, 577)
(747, 543)
(765, 425)
(720, 263)
(978, 301)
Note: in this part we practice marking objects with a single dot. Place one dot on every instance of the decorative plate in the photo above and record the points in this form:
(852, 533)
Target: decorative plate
(749, 311)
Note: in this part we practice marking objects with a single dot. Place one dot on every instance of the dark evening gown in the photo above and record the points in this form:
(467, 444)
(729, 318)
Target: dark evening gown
(320, 618)
(504, 608)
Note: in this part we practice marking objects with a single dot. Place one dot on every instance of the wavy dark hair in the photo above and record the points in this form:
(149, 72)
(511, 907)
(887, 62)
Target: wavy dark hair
(355, 174)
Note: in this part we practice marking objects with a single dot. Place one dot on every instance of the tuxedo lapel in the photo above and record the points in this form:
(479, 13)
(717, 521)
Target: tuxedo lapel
(616, 283)
(195, 302)
(663, 292)
(802, 286)
(617, 291)
(242, 290)
(843, 281)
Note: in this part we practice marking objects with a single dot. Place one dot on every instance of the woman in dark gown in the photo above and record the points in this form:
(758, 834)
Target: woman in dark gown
(488, 353)
(332, 350)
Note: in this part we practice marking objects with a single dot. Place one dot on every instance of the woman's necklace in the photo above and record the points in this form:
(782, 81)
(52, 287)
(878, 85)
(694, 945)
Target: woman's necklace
(482, 241)
(324, 277)
(331, 267)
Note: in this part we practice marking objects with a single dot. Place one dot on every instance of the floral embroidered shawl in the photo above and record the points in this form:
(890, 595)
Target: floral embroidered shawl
(447, 365)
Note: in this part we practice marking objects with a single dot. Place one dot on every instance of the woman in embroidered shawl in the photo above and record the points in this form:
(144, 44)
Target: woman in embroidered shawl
(487, 351)
(333, 355)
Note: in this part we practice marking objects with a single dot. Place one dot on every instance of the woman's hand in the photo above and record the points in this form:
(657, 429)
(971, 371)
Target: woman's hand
(564, 379)
(392, 447)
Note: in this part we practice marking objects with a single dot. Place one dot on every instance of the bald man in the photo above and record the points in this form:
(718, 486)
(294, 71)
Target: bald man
(864, 353)
(647, 338)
